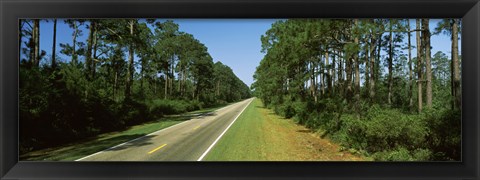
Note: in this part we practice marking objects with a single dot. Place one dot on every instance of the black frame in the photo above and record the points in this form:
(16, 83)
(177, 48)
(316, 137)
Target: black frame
(12, 10)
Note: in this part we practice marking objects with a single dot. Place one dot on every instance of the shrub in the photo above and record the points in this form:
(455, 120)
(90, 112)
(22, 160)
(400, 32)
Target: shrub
(353, 134)
(389, 134)
(134, 112)
(286, 110)
(390, 129)
(160, 107)
(400, 154)
(444, 133)
(403, 154)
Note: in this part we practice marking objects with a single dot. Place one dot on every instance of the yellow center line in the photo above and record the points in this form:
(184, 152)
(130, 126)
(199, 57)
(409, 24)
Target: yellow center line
(196, 127)
(156, 149)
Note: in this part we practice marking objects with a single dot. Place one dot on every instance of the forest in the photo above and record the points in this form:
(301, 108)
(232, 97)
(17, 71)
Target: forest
(126, 72)
(372, 85)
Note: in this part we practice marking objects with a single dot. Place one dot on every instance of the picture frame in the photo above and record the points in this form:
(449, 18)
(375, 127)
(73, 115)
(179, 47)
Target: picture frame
(11, 11)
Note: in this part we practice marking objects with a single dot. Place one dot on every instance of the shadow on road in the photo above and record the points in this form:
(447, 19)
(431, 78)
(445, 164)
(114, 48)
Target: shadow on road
(145, 140)
(185, 117)
(93, 147)
(90, 145)
(81, 150)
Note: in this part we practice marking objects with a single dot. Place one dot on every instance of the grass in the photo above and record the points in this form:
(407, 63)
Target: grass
(237, 146)
(260, 135)
(104, 141)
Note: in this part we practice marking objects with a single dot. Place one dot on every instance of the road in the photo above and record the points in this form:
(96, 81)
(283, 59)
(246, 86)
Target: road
(188, 141)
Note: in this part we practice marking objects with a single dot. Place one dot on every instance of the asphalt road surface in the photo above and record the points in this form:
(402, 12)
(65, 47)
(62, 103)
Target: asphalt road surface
(187, 141)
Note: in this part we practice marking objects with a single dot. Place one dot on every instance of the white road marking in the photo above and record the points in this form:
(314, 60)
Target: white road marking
(218, 138)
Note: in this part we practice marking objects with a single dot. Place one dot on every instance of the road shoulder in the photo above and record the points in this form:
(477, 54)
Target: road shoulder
(260, 135)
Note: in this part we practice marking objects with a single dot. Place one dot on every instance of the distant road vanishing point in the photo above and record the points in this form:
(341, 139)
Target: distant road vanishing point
(188, 141)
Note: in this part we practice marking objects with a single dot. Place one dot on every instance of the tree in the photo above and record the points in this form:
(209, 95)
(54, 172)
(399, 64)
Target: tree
(419, 65)
(120, 32)
(91, 43)
(441, 68)
(410, 71)
(166, 33)
(130, 69)
(455, 65)
(145, 51)
(27, 31)
(390, 62)
(395, 30)
(375, 29)
(426, 38)
(54, 42)
(357, 61)
(228, 87)
(36, 38)
(72, 50)
(451, 27)
(189, 49)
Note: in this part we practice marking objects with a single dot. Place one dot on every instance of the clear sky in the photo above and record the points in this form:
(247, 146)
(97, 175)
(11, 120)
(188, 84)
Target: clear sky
(234, 42)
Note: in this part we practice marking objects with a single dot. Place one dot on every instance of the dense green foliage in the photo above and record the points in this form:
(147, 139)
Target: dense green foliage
(353, 81)
(128, 72)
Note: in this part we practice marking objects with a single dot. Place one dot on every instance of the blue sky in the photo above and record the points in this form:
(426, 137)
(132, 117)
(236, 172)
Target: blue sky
(234, 42)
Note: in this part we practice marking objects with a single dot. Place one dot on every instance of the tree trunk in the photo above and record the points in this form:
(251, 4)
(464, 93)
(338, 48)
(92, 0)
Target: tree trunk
(315, 79)
(75, 32)
(54, 42)
(142, 74)
(377, 60)
(357, 66)
(193, 87)
(179, 87)
(197, 91)
(155, 86)
(88, 62)
(312, 79)
(452, 74)
(390, 64)
(427, 61)
(172, 69)
(410, 71)
(372, 69)
(329, 72)
(36, 30)
(31, 45)
(130, 70)
(321, 82)
(333, 73)
(94, 62)
(367, 65)
(340, 68)
(348, 82)
(166, 83)
(419, 66)
(456, 69)
(115, 85)
(184, 86)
